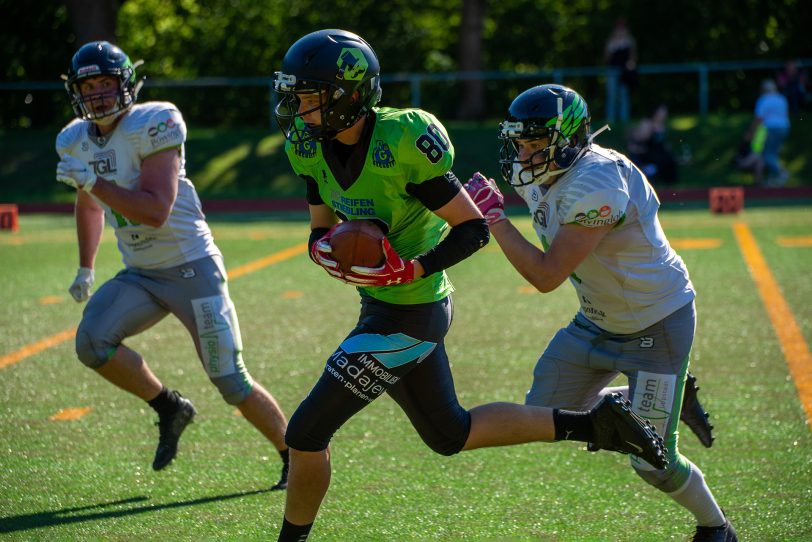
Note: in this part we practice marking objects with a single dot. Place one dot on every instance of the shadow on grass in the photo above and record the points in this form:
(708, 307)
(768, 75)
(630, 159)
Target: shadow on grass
(66, 516)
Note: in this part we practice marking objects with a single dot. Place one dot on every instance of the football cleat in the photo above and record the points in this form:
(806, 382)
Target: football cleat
(171, 428)
(283, 478)
(723, 533)
(693, 415)
(619, 429)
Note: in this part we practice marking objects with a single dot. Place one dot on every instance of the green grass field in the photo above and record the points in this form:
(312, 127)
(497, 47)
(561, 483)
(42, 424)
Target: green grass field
(90, 478)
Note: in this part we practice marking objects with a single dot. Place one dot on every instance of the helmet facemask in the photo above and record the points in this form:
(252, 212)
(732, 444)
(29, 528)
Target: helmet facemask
(102, 59)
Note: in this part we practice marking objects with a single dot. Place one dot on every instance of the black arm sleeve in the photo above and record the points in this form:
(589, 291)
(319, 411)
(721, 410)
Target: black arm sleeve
(436, 192)
(313, 197)
(463, 240)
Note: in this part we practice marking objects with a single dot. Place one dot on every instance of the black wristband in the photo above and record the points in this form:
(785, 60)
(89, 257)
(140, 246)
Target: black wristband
(315, 235)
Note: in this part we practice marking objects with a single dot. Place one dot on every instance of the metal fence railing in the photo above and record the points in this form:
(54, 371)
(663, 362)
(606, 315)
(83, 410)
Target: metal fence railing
(694, 75)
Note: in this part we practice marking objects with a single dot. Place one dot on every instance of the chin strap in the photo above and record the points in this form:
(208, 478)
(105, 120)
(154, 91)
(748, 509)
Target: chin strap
(595, 134)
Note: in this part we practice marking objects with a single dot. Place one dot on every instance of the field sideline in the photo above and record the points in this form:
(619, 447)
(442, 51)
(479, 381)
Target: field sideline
(76, 452)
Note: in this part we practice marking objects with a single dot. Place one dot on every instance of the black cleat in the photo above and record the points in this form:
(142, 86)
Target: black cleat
(693, 415)
(283, 478)
(171, 428)
(619, 429)
(723, 533)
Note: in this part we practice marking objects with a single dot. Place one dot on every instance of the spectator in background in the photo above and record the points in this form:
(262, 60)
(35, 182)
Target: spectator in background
(792, 84)
(649, 149)
(772, 112)
(748, 159)
(621, 53)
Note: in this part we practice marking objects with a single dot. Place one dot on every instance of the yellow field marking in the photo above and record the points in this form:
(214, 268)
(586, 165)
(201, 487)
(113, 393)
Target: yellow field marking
(51, 299)
(796, 351)
(39, 346)
(792, 242)
(70, 414)
(527, 289)
(689, 244)
(277, 257)
(62, 336)
(292, 294)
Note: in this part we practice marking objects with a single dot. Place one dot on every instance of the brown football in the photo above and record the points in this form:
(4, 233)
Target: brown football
(357, 242)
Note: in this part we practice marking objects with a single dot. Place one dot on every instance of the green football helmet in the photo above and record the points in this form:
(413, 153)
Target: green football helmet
(554, 112)
(341, 68)
(101, 58)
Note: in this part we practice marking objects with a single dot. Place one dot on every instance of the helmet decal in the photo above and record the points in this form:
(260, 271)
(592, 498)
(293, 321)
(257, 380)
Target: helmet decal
(352, 65)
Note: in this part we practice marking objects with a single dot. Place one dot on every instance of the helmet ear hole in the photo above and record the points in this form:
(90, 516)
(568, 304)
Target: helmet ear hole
(565, 156)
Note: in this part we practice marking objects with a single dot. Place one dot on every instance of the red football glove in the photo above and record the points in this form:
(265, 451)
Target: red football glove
(487, 197)
(394, 271)
(320, 254)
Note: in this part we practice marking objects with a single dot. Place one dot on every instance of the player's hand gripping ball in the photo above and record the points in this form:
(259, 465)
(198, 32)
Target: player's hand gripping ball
(357, 243)
(348, 244)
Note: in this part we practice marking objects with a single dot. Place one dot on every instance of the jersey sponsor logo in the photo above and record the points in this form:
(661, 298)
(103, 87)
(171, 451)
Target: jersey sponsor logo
(352, 206)
(352, 64)
(218, 340)
(163, 132)
(654, 398)
(104, 163)
(382, 155)
(598, 217)
(161, 127)
(304, 149)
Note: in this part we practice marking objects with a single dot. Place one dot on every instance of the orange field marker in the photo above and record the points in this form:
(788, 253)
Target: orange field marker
(796, 351)
(68, 414)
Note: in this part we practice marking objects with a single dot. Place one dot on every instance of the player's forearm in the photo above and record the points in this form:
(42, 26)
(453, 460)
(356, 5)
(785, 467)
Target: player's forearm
(525, 257)
(89, 228)
(138, 206)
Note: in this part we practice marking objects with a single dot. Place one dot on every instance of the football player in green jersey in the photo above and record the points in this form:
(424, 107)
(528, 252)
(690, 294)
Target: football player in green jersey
(393, 166)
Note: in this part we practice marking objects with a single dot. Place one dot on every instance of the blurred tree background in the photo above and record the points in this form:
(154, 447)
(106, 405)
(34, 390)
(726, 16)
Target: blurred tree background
(188, 39)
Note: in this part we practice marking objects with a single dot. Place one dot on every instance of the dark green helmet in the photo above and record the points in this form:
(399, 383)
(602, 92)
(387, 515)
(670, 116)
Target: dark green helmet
(338, 65)
(101, 58)
(554, 112)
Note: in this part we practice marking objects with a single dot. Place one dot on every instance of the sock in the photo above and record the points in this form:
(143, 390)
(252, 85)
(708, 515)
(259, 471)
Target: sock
(571, 425)
(294, 533)
(285, 455)
(698, 499)
(164, 403)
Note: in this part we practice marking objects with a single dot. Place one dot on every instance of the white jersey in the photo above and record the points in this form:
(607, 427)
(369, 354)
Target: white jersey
(633, 278)
(145, 129)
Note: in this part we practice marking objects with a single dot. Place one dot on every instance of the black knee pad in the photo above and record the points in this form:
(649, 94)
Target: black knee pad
(446, 432)
(305, 433)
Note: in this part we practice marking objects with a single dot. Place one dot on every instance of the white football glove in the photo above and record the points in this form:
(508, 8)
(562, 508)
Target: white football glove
(73, 172)
(80, 289)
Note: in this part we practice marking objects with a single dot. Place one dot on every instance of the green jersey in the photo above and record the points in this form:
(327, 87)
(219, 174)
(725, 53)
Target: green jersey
(405, 147)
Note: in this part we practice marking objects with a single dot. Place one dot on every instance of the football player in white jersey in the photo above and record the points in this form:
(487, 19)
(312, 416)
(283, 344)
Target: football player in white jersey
(596, 217)
(126, 162)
